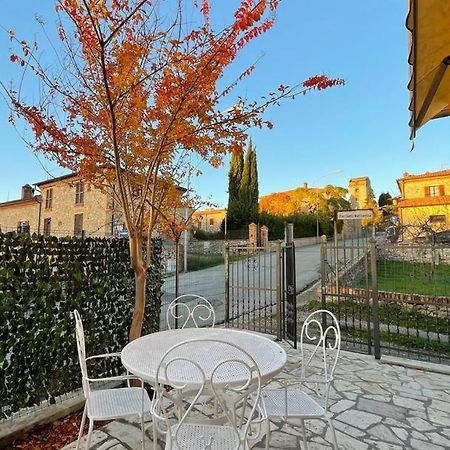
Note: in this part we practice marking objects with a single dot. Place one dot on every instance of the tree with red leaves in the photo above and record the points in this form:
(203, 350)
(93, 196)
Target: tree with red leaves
(135, 89)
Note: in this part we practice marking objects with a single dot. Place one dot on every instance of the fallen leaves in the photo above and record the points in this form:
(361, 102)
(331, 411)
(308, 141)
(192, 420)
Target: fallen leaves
(53, 436)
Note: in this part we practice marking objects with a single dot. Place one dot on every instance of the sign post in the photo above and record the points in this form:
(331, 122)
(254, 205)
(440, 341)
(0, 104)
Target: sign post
(355, 214)
(350, 214)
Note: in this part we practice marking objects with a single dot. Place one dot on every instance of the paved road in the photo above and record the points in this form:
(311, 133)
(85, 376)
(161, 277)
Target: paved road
(211, 282)
(252, 271)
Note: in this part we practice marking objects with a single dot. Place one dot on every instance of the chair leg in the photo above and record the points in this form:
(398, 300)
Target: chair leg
(88, 439)
(333, 433)
(304, 434)
(80, 433)
(143, 432)
(155, 434)
(267, 433)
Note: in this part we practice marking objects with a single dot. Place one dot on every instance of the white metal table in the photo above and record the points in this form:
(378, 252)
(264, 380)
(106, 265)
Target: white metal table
(142, 356)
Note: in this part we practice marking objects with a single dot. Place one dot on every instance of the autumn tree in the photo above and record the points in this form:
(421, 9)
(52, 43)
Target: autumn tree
(133, 87)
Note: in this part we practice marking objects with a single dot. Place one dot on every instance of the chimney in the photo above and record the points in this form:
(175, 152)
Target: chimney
(305, 185)
(27, 192)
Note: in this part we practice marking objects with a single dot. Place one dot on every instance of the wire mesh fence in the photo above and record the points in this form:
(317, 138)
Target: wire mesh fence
(401, 291)
(414, 297)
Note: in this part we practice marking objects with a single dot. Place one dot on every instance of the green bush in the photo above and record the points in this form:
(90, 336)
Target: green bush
(304, 225)
(203, 235)
(41, 282)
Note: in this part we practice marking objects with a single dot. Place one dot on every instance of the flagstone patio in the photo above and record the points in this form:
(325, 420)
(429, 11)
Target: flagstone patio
(374, 405)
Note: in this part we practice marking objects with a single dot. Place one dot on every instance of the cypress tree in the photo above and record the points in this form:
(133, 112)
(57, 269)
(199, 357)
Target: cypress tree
(234, 185)
(249, 187)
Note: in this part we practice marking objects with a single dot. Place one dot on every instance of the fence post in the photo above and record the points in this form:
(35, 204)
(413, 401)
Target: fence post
(226, 303)
(375, 306)
(278, 259)
(336, 252)
(323, 273)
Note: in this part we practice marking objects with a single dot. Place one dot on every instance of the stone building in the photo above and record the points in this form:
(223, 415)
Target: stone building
(209, 219)
(71, 206)
(360, 192)
(21, 214)
(66, 206)
(425, 200)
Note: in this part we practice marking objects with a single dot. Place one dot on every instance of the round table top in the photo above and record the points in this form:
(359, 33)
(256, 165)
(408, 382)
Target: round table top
(142, 356)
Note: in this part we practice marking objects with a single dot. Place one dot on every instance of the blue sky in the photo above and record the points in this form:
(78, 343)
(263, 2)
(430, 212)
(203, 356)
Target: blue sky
(360, 129)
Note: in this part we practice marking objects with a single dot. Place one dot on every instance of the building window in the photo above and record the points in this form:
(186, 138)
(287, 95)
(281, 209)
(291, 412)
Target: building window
(47, 226)
(78, 225)
(211, 222)
(79, 194)
(434, 191)
(48, 198)
(438, 218)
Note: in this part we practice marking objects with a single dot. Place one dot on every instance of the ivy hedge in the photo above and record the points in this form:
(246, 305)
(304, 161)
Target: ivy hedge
(41, 281)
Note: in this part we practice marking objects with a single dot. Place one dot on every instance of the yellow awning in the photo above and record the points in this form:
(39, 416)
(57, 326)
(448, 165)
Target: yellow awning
(429, 57)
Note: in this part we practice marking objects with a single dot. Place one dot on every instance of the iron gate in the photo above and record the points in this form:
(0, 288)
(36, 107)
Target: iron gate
(289, 301)
(253, 288)
(260, 289)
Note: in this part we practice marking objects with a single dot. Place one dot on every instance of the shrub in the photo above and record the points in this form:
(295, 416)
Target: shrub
(203, 235)
(304, 224)
(41, 282)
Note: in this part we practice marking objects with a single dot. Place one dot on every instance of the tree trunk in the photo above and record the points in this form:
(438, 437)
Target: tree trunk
(140, 276)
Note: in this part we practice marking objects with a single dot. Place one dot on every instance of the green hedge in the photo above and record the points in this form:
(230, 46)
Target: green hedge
(304, 225)
(41, 282)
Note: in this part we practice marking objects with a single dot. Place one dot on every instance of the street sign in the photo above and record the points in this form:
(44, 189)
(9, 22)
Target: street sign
(354, 214)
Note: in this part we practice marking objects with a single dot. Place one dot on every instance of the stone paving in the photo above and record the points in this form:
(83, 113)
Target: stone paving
(374, 406)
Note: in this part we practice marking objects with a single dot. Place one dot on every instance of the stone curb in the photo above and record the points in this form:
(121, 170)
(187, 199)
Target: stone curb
(418, 365)
(12, 429)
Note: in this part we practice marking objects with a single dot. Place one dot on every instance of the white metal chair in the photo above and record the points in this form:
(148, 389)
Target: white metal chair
(105, 404)
(190, 308)
(321, 329)
(185, 366)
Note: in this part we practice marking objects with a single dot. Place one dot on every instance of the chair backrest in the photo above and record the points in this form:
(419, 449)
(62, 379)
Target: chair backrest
(220, 370)
(79, 334)
(321, 330)
(190, 309)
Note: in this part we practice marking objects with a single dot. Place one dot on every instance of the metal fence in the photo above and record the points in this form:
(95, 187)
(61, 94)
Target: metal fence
(253, 287)
(414, 297)
(390, 298)
(193, 273)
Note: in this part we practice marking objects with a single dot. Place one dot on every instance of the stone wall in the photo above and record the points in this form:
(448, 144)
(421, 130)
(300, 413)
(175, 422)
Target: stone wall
(354, 272)
(212, 247)
(168, 256)
(434, 306)
(418, 253)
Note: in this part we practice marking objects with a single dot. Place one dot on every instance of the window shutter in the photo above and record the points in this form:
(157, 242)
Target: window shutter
(441, 190)
(427, 191)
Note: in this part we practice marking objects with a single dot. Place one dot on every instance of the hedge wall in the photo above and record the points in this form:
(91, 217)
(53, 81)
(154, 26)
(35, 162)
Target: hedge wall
(41, 282)
(304, 224)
